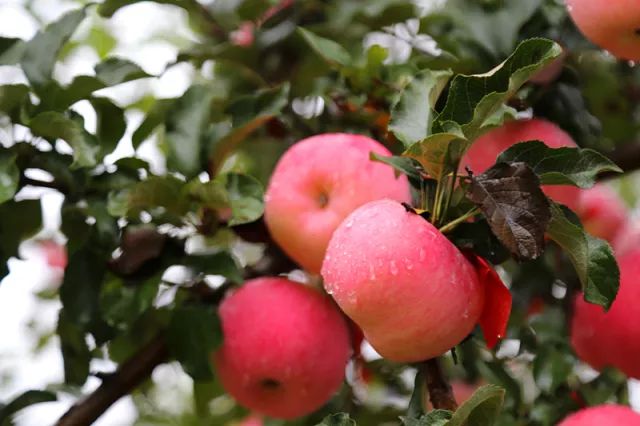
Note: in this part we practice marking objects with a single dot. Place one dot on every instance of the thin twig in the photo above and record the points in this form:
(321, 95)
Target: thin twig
(440, 393)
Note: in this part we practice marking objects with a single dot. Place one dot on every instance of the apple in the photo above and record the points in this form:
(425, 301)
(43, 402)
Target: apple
(611, 338)
(55, 254)
(285, 347)
(602, 212)
(411, 291)
(628, 238)
(614, 26)
(317, 183)
(485, 150)
(602, 415)
(551, 72)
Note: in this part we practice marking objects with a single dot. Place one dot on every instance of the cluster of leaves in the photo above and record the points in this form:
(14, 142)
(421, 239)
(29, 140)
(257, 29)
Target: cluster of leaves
(127, 223)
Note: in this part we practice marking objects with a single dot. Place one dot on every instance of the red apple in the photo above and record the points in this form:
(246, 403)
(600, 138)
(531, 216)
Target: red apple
(483, 153)
(285, 347)
(612, 338)
(317, 183)
(603, 415)
(602, 212)
(55, 254)
(612, 25)
(628, 238)
(412, 292)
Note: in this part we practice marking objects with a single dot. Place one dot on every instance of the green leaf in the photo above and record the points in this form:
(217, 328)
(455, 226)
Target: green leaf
(473, 99)
(560, 166)
(331, 51)
(481, 409)
(23, 401)
(194, 333)
(76, 355)
(412, 114)
(81, 286)
(403, 165)
(111, 124)
(338, 419)
(20, 220)
(9, 175)
(13, 96)
(53, 125)
(432, 418)
(123, 304)
(114, 71)
(164, 192)
(11, 50)
(156, 116)
(42, 51)
(216, 264)
(591, 257)
(245, 198)
(248, 113)
(186, 120)
(551, 368)
(439, 153)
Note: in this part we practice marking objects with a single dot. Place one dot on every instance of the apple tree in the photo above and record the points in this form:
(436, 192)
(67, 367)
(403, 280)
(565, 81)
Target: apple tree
(356, 213)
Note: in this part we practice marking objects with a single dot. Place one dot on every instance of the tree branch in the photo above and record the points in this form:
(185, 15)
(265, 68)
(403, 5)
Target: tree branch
(130, 375)
(440, 393)
(626, 156)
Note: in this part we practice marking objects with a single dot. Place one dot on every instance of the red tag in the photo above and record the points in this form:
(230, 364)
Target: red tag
(497, 301)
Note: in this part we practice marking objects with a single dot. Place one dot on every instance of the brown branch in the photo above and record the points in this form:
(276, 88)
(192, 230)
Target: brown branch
(626, 156)
(130, 375)
(440, 392)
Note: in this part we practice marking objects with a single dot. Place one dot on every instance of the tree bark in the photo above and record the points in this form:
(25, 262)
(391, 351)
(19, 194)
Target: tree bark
(440, 392)
(130, 374)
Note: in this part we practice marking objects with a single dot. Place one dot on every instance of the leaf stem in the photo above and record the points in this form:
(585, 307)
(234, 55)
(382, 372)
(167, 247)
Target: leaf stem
(440, 392)
(451, 225)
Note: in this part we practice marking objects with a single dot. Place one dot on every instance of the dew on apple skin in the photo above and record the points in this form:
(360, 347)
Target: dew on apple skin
(349, 223)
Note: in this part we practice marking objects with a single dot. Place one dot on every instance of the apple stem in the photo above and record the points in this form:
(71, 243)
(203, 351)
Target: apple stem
(440, 392)
(451, 225)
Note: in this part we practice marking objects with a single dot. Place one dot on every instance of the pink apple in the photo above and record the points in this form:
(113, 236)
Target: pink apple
(55, 254)
(612, 338)
(628, 238)
(602, 212)
(612, 25)
(317, 183)
(603, 415)
(285, 347)
(412, 292)
(483, 153)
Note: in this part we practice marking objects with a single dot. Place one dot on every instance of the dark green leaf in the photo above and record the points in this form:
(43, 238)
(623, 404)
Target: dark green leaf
(54, 125)
(114, 71)
(153, 119)
(331, 51)
(9, 175)
(12, 96)
(439, 153)
(338, 419)
(80, 290)
(42, 51)
(248, 113)
(164, 192)
(23, 401)
(245, 198)
(412, 114)
(75, 352)
(591, 257)
(194, 333)
(405, 165)
(121, 305)
(516, 209)
(473, 99)
(11, 50)
(186, 120)
(215, 264)
(111, 124)
(560, 166)
(20, 220)
(551, 368)
(432, 418)
(478, 237)
(482, 409)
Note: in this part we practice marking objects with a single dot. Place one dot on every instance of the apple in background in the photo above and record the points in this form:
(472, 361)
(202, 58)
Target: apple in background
(628, 238)
(251, 420)
(317, 183)
(612, 338)
(285, 347)
(551, 72)
(55, 254)
(485, 150)
(411, 291)
(603, 415)
(602, 212)
(612, 25)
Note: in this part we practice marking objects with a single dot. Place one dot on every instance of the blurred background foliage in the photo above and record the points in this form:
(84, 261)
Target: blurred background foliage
(161, 155)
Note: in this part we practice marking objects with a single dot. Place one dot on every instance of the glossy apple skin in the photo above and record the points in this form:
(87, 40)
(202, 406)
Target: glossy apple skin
(612, 338)
(612, 25)
(602, 212)
(285, 347)
(485, 150)
(603, 415)
(317, 183)
(413, 294)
